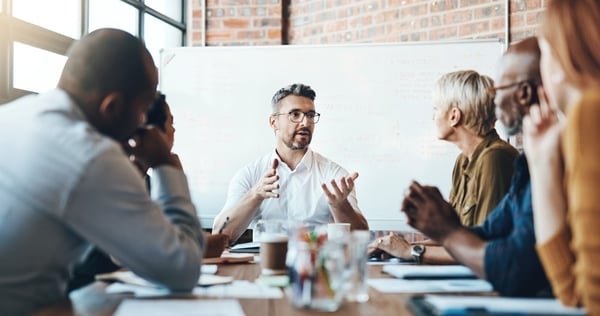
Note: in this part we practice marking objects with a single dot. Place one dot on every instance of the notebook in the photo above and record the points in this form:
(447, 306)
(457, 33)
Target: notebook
(438, 305)
(248, 247)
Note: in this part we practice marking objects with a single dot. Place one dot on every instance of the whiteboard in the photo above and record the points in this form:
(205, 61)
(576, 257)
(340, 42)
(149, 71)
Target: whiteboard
(374, 100)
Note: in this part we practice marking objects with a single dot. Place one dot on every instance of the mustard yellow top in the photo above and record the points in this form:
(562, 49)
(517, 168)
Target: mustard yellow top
(479, 183)
(571, 258)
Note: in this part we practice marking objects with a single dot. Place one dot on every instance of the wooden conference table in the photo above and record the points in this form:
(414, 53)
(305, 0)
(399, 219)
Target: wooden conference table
(93, 300)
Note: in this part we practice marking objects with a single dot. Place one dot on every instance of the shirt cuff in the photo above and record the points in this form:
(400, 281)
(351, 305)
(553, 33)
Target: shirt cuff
(169, 187)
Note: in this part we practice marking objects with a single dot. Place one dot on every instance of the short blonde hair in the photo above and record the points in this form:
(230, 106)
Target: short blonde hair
(467, 90)
(571, 29)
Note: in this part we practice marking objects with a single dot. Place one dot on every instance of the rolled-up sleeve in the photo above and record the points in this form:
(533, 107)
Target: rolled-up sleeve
(159, 240)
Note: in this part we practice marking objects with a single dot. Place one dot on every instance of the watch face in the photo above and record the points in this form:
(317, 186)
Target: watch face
(418, 249)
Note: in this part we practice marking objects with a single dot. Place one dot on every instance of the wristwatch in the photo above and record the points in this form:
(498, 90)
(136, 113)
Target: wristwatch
(417, 252)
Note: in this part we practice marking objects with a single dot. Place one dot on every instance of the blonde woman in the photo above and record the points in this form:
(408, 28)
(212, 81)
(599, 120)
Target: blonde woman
(465, 116)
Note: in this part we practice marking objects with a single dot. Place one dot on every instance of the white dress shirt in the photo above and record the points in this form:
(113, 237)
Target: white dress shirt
(301, 198)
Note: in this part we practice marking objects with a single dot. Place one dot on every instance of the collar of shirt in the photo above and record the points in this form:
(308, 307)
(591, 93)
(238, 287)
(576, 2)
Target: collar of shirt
(468, 164)
(61, 100)
(305, 163)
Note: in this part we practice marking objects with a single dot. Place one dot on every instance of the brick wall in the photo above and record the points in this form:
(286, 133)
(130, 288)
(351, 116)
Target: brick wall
(237, 22)
(260, 22)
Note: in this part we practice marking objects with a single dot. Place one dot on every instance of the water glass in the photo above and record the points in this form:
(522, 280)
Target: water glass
(316, 268)
(357, 269)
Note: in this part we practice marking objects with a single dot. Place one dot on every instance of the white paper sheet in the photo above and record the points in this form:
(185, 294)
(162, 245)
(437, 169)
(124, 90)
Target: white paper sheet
(429, 286)
(428, 271)
(132, 307)
(240, 289)
(209, 268)
(131, 278)
(237, 289)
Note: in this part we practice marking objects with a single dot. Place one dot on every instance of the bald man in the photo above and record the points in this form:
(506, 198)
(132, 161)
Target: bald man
(66, 183)
(502, 250)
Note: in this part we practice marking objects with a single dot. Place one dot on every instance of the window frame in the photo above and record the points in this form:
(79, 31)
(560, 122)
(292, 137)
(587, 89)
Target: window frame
(17, 30)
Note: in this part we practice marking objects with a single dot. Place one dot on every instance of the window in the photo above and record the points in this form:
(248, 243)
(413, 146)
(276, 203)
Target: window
(115, 14)
(159, 35)
(36, 35)
(61, 16)
(170, 8)
(35, 69)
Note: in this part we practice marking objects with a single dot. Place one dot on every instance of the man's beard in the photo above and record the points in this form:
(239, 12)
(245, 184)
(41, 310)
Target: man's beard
(515, 128)
(293, 145)
(517, 123)
(296, 146)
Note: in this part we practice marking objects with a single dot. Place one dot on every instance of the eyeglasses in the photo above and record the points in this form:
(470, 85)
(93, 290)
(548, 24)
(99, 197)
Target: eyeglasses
(296, 116)
(493, 90)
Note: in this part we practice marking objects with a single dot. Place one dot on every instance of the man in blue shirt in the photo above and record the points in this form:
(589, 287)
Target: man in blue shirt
(502, 250)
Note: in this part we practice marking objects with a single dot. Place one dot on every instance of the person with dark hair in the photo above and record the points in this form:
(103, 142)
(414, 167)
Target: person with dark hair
(291, 182)
(502, 249)
(66, 182)
(159, 115)
(96, 261)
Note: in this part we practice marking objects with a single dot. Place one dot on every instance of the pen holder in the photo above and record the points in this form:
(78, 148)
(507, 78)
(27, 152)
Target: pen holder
(316, 269)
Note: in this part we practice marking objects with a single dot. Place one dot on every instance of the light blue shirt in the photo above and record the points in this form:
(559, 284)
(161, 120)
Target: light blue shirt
(64, 186)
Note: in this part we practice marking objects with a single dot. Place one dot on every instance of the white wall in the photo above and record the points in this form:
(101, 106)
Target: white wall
(374, 100)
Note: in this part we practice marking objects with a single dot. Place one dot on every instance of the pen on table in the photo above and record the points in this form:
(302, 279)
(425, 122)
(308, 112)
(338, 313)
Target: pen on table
(223, 225)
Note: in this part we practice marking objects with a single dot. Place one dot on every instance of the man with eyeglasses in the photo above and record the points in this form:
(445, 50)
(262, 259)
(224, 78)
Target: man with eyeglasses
(293, 182)
(502, 250)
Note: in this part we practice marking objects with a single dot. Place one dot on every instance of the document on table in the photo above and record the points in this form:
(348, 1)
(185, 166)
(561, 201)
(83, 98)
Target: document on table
(236, 289)
(488, 305)
(228, 257)
(131, 278)
(429, 272)
(389, 261)
(130, 307)
(429, 286)
(209, 269)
